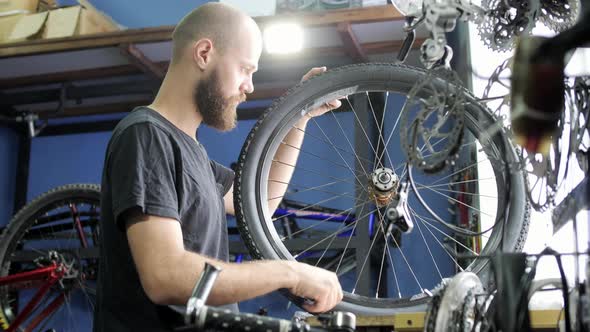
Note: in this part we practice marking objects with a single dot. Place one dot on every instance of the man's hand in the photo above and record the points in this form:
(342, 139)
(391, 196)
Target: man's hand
(327, 106)
(321, 286)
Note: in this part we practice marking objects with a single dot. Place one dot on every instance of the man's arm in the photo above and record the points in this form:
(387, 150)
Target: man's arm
(286, 156)
(228, 201)
(168, 272)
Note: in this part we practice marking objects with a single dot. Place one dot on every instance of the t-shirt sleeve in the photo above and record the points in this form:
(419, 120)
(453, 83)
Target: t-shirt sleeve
(223, 175)
(141, 170)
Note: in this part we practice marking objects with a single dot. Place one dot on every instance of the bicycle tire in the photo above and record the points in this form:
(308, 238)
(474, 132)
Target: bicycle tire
(28, 226)
(253, 220)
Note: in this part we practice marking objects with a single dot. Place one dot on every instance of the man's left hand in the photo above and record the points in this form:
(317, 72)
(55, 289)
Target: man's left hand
(327, 106)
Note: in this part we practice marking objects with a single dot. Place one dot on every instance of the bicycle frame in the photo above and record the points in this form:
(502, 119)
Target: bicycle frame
(50, 275)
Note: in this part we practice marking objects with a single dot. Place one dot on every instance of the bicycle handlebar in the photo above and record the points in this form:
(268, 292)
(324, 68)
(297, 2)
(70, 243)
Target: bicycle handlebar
(200, 317)
(218, 319)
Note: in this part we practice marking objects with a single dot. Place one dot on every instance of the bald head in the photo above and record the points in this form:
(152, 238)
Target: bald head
(216, 21)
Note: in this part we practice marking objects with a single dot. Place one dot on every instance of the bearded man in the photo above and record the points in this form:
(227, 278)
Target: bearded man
(164, 202)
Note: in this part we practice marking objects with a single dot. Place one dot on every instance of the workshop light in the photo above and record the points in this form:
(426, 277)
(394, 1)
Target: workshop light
(283, 38)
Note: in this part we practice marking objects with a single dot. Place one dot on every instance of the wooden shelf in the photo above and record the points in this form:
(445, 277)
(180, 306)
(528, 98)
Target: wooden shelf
(159, 34)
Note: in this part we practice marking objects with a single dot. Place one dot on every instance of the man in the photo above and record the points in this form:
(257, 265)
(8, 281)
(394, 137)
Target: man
(163, 201)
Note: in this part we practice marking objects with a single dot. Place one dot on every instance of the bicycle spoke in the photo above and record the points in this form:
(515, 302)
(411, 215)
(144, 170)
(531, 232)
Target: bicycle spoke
(341, 157)
(461, 170)
(457, 201)
(429, 251)
(399, 292)
(381, 271)
(314, 172)
(331, 241)
(449, 236)
(381, 217)
(324, 141)
(319, 157)
(381, 137)
(424, 186)
(458, 192)
(323, 221)
(359, 273)
(439, 141)
(392, 131)
(338, 231)
(426, 219)
(307, 207)
(348, 241)
(441, 245)
(380, 132)
(361, 125)
(308, 189)
(358, 158)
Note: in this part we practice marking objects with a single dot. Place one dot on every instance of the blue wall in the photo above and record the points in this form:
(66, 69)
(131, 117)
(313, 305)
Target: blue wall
(59, 160)
(8, 160)
(142, 14)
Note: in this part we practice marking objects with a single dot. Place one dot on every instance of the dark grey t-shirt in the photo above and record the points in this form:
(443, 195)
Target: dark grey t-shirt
(152, 165)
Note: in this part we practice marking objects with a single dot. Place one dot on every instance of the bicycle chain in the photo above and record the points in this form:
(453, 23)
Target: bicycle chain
(505, 20)
(448, 108)
(468, 313)
(434, 305)
(559, 15)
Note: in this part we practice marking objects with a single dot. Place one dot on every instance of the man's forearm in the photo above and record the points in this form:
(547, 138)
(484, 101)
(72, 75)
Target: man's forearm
(283, 166)
(236, 282)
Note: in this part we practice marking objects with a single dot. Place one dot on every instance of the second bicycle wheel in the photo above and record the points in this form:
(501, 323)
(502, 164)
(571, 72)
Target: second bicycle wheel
(473, 206)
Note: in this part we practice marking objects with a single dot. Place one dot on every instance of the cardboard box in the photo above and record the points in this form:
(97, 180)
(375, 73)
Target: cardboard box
(12, 7)
(78, 20)
(7, 24)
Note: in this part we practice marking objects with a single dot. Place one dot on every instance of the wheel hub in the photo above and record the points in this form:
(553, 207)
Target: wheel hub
(383, 186)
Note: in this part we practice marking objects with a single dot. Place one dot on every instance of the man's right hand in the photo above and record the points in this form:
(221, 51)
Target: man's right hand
(321, 286)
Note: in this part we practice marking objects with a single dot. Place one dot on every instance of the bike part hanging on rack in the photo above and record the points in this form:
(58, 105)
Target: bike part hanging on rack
(342, 151)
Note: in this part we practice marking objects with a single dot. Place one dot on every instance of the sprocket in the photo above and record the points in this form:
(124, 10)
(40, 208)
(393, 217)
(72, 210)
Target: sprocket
(559, 15)
(505, 20)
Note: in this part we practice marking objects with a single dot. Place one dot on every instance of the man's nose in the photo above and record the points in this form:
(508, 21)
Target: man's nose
(248, 86)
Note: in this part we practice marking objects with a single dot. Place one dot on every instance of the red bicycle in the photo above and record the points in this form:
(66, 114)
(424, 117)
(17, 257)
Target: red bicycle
(49, 262)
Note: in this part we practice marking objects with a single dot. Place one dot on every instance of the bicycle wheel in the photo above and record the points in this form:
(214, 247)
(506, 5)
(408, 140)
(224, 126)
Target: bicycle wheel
(342, 151)
(62, 223)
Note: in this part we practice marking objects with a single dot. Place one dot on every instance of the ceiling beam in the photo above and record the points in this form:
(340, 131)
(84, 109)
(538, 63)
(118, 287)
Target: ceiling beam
(244, 113)
(353, 48)
(331, 17)
(142, 62)
(124, 70)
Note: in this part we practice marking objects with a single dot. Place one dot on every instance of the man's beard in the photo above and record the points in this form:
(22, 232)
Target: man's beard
(217, 112)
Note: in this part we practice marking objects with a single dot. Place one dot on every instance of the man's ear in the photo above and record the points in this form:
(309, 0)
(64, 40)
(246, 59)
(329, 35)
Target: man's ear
(203, 52)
